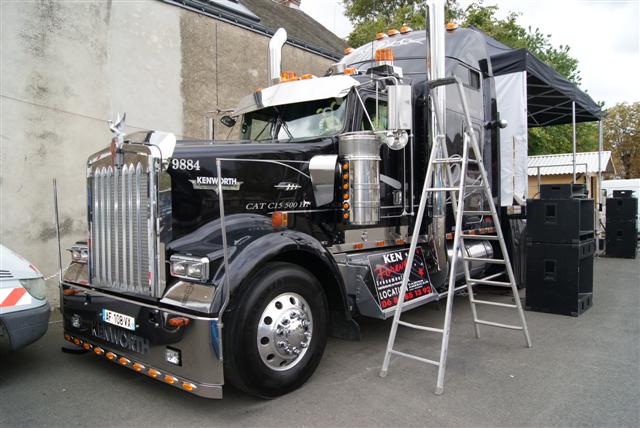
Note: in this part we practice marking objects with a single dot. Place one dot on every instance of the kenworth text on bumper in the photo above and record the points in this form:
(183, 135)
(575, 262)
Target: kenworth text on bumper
(214, 261)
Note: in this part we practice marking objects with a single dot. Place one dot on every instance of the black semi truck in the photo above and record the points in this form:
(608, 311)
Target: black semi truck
(232, 261)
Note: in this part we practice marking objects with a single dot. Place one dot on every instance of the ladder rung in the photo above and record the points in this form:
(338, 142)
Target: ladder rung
(480, 237)
(484, 260)
(477, 212)
(497, 324)
(487, 282)
(453, 160)
(487, 302)
(414, 357)
(443, 189)
(421, 327)
(474, 186)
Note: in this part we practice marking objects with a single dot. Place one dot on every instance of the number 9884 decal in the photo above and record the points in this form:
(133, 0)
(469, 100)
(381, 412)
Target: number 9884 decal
(185, 164)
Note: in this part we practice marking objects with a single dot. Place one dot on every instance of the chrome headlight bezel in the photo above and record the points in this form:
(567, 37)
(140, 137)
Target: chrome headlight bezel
(188, 267)
(79, 253)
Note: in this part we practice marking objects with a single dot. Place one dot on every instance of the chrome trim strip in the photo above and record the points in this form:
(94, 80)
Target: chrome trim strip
(135, 302)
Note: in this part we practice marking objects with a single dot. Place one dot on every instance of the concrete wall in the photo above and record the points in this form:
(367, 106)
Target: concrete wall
(68, 67)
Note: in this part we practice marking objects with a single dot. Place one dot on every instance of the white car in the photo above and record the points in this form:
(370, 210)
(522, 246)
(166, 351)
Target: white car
(24, 310)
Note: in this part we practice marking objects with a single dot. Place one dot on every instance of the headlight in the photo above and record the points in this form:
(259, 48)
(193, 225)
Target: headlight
(36, 287)
(79, 253)
(196, 268)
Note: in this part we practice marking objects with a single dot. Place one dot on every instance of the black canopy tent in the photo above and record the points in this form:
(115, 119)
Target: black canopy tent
(549, 95)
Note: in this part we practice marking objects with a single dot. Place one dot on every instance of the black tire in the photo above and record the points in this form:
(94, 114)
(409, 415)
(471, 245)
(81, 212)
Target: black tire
(244, 366)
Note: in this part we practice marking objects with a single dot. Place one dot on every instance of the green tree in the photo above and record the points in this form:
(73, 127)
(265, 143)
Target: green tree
(621, 133)
(372, 16)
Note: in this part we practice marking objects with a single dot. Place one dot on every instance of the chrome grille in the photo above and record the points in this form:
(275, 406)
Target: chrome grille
(122, 246)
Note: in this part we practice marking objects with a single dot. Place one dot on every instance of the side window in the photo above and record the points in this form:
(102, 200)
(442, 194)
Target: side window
(379, 120)
(469, 78)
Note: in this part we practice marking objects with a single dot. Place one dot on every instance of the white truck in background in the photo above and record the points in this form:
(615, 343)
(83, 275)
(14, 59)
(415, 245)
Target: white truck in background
(608, 186)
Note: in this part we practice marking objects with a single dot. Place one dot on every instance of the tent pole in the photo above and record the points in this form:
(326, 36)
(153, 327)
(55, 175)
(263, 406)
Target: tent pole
(573, 122)
(599, 206)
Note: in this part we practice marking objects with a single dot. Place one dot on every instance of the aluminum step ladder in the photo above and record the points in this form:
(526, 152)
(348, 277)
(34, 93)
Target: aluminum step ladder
(439, 157)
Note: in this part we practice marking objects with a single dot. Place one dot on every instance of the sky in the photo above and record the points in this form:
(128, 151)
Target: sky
(604, 36)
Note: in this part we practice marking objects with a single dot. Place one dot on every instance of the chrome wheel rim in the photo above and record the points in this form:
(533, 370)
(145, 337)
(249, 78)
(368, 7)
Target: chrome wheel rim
(284, 331)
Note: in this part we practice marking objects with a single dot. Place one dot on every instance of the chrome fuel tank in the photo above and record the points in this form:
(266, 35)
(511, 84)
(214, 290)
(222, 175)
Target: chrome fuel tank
(362, 151)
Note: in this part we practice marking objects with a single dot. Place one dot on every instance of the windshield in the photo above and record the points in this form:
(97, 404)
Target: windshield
(295, 121)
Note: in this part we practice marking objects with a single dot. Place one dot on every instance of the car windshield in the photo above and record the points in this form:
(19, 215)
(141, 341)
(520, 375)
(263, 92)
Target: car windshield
(295, 121)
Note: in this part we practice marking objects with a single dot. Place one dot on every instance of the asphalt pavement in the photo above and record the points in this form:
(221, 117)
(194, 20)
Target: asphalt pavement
(581, 371)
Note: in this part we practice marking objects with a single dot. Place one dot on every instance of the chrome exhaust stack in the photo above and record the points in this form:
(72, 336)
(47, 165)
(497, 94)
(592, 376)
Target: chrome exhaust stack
(436, 69)
(275, 55)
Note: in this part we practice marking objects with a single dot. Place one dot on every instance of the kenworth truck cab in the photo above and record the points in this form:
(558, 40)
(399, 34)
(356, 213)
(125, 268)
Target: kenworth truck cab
(214, 261)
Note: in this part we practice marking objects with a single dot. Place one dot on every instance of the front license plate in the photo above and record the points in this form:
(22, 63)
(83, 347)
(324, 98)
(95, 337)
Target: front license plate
(120, 320)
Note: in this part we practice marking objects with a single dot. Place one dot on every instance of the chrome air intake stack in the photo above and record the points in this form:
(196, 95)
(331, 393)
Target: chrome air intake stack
(361, 150)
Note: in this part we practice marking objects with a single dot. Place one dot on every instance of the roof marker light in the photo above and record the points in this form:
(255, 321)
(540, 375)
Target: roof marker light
(288, 76)
(393, 32)
(347, 51)
(451, 26)
(380, 36)
(384, 55)
(349, 71)
(308, 76)
(404, 29)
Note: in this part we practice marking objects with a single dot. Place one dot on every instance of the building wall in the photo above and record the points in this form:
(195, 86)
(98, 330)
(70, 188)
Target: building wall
(68, 67)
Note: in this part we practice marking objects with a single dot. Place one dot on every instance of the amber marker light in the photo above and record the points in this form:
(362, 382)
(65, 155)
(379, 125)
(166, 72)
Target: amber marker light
(345, 196)
(153, 373)
(177, 322)
(137, 367)
(358, 246)
(345, 186)
(123, 361)
(380, 36)
(379, 243)
(188, 386)
(86, 346)
(350, 71)
(400, 242)
(98, 351)
(347, 51)
(110, 355)
(76, 341)
(279, 219)
(345, 166)
(288, 76)
(67, 338)
(393, 32)
(308, 76)
(451, 26)
(384, 55)
(345, 216)
(404, 29)
(170, 379)
(345, 206)
(345, 176)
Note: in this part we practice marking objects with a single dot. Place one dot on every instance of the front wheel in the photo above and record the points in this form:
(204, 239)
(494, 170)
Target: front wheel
(275, 331)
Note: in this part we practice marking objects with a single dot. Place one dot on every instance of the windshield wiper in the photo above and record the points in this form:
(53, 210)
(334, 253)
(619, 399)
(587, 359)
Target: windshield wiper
(283, 124)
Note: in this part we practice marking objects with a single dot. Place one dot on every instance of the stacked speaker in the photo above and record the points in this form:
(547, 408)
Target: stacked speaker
(622, 227)
(560, 249)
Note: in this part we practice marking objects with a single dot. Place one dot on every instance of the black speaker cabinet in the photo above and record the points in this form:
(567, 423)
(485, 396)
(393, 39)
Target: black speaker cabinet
(622, 239)
(561, 221)
(622, 209)
(560, 277)
(563, 191)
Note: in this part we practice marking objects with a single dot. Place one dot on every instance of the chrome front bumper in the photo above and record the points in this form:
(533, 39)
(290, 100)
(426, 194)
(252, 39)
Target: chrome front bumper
(143, 350)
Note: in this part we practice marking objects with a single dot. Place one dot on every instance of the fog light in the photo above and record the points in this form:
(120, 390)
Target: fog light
(173, 356)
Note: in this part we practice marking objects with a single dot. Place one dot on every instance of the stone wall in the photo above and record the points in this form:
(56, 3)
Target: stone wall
(68, 67)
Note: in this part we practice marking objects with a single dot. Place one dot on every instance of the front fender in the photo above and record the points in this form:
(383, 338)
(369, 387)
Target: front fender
(252, 242)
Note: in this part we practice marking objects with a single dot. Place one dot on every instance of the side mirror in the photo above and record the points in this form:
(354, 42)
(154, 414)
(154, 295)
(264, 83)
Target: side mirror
(400, 109)
(228, 121)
